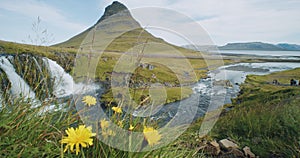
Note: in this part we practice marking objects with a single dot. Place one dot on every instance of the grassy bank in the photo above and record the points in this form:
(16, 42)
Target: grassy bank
(265, 116)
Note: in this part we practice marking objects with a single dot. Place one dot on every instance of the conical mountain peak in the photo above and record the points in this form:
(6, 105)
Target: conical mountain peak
(115, 20)
(112, 9)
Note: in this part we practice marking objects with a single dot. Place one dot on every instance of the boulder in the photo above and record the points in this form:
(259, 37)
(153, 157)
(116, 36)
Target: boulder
(225, 83)
(236, 153)
(248, 152)
(212, 148)
(227, 144)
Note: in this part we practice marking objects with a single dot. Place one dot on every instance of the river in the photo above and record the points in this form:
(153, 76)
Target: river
(207, 96)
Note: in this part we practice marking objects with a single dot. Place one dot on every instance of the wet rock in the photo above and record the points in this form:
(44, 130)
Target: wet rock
(248, 152)
(227, 144)
(225, 83)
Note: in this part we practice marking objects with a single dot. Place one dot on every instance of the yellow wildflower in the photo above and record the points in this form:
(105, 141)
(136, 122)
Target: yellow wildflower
(104, 124)
(151, 135)
(89, 100)
(131, 127)
(117, 109)
(79, 136)
(106, 133)
(120, 124)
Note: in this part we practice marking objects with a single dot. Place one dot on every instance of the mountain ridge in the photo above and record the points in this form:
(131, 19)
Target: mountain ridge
(247, 46)
(256, 46)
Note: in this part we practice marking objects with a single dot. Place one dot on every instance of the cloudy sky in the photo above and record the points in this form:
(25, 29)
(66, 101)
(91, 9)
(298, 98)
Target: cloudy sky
(272, 21)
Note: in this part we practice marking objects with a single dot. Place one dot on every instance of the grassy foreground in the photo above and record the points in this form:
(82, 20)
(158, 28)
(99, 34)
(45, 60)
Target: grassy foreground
(26, 134)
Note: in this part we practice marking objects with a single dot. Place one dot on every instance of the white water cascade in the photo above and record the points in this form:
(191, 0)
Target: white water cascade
(18, 86)
(64, 84)
(0, 100)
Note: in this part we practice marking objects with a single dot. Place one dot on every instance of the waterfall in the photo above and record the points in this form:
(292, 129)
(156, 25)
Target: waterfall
(18, 86)
(37, 64)
(0, 101)
(64, 84)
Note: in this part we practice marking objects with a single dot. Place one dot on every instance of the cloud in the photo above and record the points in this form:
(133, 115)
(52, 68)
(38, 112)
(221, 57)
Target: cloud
(34, 8)
(237, 20)
(256, 21)
(226, 21)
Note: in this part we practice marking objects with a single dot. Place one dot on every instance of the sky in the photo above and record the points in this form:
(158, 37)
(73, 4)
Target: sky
(271, 21)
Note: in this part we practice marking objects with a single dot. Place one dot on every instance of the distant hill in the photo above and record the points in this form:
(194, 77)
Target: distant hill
(260, 46)
(289, 46)
(247, 46)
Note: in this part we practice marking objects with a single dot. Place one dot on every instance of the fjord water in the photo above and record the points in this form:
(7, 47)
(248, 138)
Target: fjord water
(272, 54)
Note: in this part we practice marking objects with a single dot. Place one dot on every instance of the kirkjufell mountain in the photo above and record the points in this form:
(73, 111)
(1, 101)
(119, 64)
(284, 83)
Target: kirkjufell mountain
(115, 19)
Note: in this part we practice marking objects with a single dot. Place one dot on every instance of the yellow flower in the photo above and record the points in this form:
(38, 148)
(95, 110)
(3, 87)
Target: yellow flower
(120, 124)
(89, 100)
(79, 136)
(117, 109)
(151, 135)
(104, 124)
(131, 127)
(106, 133)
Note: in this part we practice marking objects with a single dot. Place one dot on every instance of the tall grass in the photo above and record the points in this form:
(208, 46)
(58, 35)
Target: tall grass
(265, 117)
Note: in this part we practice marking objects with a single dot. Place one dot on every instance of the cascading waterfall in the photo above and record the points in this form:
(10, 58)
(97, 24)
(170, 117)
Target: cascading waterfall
(0, 100)
(64, 84)
(63, 88)
(37, 64)
(18, 86)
